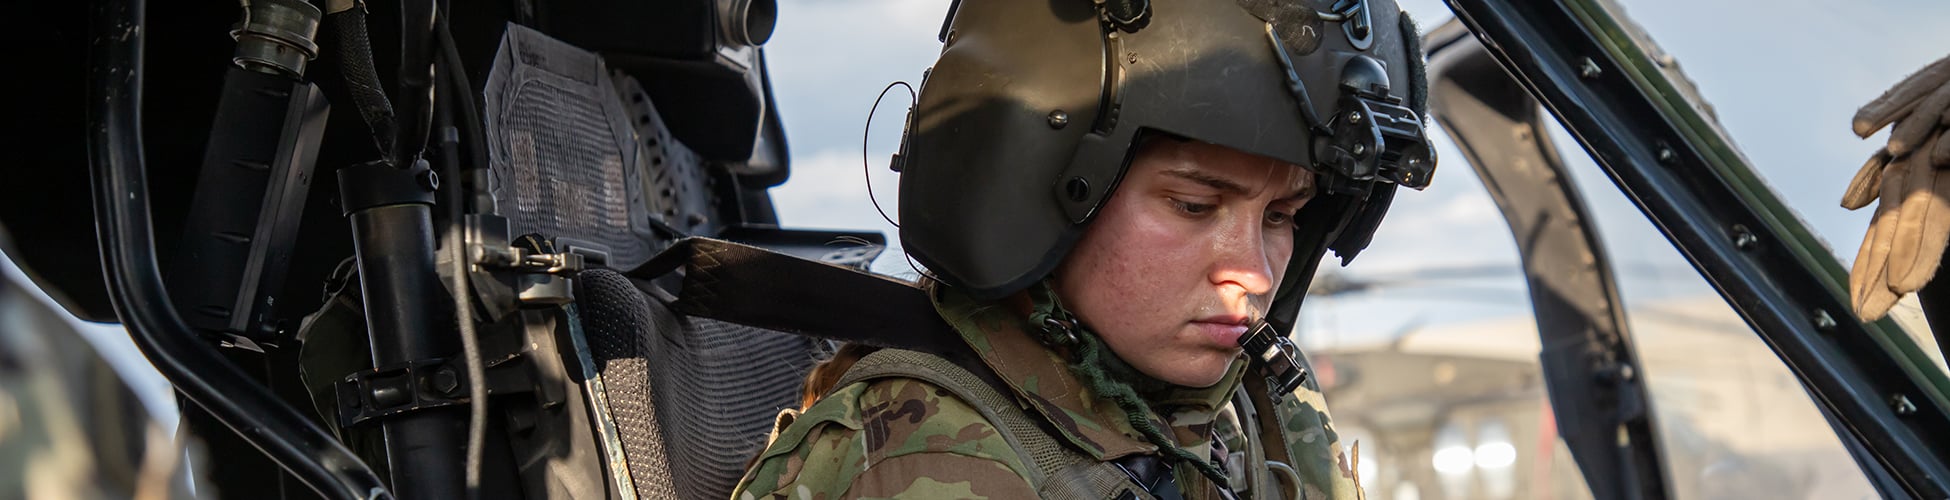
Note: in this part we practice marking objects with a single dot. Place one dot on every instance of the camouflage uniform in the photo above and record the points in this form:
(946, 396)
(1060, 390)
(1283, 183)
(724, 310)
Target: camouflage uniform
(69, 427)
(904, 438)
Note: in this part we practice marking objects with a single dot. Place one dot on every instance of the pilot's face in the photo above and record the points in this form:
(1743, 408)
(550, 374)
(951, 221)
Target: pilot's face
(1185, 256)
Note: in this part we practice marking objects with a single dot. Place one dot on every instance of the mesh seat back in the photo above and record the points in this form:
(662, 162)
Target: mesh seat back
(692, 398)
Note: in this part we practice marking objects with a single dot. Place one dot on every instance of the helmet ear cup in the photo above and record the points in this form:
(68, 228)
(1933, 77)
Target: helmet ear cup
(982, 150)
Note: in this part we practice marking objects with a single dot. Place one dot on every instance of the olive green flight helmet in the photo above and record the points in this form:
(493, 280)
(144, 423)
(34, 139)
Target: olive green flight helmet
(1030, 117)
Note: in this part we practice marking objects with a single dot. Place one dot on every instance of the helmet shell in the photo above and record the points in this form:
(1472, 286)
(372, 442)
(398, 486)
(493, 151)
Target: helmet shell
(1029, 119)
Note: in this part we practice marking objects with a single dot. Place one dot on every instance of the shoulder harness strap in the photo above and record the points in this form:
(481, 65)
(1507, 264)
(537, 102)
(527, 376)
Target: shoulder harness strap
(1057, 471)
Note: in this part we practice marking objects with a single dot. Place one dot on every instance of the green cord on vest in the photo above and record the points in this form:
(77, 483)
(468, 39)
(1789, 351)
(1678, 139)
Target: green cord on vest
(1060, 328)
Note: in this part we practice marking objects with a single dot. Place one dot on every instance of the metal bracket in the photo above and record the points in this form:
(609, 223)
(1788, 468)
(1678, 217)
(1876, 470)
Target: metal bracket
(542, 273)
(431, 383)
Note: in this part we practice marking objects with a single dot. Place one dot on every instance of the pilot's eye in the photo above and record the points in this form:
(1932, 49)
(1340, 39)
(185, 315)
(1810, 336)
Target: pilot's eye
(1190, 208)
(1278, 218)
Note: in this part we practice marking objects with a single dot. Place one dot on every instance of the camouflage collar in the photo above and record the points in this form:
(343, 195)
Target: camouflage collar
(1042, 377)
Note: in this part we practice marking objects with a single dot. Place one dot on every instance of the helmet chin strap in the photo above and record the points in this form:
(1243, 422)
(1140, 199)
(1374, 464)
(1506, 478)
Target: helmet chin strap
(1094, 363)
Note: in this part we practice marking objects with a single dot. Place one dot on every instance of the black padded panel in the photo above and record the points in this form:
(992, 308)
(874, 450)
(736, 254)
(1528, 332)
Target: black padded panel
(564, 155)
(693, 398)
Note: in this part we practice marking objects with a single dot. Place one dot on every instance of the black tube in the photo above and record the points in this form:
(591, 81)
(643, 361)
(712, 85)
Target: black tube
(473, 132)
(361, 78)
(120, 191)
(394, 243)
(415, 100)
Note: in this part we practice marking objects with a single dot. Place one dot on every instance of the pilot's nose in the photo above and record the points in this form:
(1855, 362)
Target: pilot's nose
(1242, 259)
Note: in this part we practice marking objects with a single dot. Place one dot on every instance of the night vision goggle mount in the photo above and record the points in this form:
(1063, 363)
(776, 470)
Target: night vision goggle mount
(1374, 137)
(1370, 138)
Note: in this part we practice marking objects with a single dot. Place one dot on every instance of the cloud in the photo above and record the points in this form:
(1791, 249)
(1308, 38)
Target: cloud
(829, 190)
(829, 58)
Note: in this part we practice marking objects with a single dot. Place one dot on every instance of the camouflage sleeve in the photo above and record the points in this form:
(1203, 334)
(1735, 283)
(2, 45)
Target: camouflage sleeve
(1315, 449)
(888, 438)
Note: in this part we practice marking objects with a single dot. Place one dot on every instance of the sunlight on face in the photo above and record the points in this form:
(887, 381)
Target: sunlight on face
(1185, 256)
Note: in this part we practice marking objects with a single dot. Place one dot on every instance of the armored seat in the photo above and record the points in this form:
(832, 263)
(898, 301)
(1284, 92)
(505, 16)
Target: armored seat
(582, 158)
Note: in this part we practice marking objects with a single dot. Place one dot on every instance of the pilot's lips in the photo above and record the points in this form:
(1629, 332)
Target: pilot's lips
(1222, 330)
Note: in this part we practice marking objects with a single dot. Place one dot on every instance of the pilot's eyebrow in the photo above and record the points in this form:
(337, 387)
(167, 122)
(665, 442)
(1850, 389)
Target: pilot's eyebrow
(1304, 193)
(1209, 180)
(1231, 187)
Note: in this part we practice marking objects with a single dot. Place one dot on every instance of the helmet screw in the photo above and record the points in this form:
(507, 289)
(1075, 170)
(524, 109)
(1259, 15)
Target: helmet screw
(1354, 117)
(1359, 150)
(1077, 188)
(1058, 119)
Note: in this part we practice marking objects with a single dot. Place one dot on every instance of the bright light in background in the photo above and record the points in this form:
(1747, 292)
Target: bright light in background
(1495, 455)
(1454, 460)
(1494, 458)
(1407, 491)
(1370, 466)
(1493, 448)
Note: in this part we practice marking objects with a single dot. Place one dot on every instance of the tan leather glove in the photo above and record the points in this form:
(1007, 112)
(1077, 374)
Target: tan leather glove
(1911, 226)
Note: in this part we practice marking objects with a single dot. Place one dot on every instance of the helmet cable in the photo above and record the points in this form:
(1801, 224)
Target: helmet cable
(864, 134)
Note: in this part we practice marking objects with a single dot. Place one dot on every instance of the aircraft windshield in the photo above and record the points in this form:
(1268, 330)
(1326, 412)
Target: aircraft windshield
(1429, 335)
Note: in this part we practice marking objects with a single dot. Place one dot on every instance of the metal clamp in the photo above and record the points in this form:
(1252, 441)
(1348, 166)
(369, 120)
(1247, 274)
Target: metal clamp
(542, 271)
(426, 384)
(489, 247)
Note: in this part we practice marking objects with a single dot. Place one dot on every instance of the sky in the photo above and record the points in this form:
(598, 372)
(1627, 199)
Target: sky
(1784, 77)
